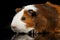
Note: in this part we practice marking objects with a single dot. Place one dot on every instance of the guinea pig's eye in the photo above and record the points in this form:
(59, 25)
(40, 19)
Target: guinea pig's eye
(30, 11)
(23, 18)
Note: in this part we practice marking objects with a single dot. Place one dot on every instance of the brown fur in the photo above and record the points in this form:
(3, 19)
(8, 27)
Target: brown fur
(29, 20)
(48, 18)
(57, 7)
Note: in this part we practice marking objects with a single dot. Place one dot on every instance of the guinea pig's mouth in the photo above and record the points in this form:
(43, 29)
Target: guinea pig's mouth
(14, 30)
(18, 31)
(30, 32)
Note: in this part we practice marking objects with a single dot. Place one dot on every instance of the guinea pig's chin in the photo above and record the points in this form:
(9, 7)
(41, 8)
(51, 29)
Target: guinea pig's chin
(26, 30)
(21, 30)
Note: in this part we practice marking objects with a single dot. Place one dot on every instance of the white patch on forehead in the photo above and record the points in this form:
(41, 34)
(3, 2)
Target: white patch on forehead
(28, 7)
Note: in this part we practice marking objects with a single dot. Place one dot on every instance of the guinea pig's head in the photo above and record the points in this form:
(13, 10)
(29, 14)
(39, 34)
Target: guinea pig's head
(23, 21)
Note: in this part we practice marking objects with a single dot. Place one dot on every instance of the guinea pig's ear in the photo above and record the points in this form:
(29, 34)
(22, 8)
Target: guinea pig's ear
(17, 10)
(32, 13)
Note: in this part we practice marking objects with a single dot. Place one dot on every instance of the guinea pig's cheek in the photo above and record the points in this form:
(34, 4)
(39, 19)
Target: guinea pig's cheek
(30, 25)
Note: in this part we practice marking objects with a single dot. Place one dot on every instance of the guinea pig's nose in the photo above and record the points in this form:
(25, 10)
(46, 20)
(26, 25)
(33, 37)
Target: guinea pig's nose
(13, 27)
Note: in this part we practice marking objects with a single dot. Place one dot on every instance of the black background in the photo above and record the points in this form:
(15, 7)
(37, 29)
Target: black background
(7, 9)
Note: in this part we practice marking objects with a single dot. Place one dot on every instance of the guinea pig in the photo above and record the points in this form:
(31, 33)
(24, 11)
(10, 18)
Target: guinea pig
(38, 17)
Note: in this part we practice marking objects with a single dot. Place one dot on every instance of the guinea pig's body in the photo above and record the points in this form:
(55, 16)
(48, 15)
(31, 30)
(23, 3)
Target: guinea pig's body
(38, 17)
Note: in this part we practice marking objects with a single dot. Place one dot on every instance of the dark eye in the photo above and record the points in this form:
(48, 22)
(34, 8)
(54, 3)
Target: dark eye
(23, 18)
(30, 11)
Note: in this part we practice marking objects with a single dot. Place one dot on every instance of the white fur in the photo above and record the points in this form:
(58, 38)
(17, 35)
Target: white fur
(28, 7)
(20, 25)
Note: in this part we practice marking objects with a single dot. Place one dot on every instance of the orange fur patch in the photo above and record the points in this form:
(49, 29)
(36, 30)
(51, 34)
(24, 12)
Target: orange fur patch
(29, 20)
